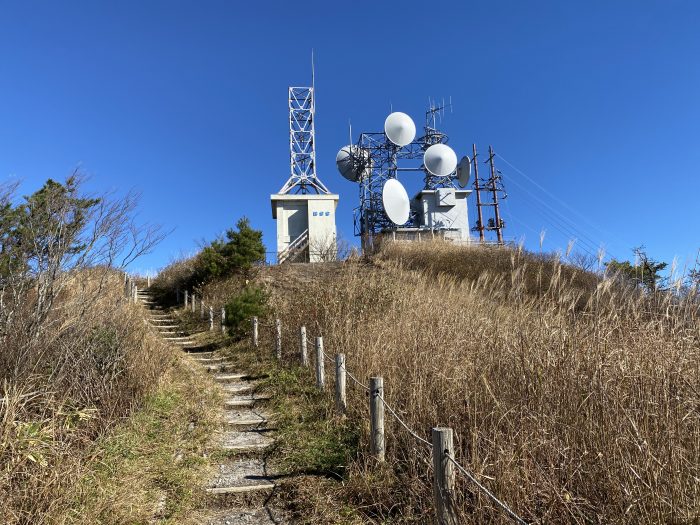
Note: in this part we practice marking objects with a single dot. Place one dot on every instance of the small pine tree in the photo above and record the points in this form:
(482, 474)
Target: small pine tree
(244, 247)
(238, 253)
(250, 302)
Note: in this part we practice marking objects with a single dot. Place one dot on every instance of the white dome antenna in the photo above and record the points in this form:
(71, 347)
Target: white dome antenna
(400, 128)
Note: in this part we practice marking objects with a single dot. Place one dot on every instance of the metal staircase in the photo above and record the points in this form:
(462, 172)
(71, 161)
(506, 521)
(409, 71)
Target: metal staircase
(297, 251)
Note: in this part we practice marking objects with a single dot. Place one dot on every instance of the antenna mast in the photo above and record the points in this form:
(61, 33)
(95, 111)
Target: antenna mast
(302, 141)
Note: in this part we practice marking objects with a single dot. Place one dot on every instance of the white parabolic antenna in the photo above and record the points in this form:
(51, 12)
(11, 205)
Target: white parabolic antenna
(345, 163)
(464, 171)
(351, 160)
(399, 128)
(440, 160)
(395, 200)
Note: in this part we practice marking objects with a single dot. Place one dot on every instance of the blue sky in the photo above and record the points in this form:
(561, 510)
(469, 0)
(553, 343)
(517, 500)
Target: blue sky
(595, 105)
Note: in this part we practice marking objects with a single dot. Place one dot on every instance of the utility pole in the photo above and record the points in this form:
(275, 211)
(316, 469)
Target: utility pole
(480, 219)
(493, 187)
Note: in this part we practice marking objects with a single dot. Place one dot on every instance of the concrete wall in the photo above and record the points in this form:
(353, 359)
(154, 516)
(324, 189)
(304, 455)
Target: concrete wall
(296, 213)
(292, 220)
(444, 208)
(322, 232)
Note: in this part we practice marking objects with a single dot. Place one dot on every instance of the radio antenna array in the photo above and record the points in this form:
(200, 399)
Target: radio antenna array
(373, 160)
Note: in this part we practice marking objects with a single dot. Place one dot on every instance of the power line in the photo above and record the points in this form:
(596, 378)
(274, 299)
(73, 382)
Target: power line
(561, 223)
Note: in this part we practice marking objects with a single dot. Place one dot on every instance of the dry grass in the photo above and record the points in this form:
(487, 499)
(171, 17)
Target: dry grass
(92, 364)
(573, 399)
(150, 469)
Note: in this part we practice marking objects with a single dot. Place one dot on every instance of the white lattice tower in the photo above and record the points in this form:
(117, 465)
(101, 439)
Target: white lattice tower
(302, 150)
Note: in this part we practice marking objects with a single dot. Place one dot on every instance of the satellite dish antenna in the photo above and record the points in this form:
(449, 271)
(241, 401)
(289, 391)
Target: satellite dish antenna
(399, 128)
(351, 160)
(464, 171)
(396, 203)
(440, 160)
(346, 164)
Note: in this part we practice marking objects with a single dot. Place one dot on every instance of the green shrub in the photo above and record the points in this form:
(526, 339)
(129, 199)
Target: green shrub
(240, 250)
(250, 302)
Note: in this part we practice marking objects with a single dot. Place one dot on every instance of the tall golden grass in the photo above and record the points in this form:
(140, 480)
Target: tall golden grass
(573, 398)
(93, 363)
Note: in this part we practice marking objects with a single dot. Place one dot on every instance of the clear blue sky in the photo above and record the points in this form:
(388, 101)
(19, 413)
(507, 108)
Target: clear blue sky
(597, 102)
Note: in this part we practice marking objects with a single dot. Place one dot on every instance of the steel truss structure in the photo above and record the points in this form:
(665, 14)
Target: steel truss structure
(378, 161)
(302, 150)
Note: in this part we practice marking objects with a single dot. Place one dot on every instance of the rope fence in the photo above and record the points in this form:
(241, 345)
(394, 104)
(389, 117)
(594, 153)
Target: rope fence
(189, 302)
(442, 449)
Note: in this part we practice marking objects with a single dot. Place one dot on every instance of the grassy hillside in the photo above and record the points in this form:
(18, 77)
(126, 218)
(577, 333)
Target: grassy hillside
(92, 414)
(569, 398)
(573, 397)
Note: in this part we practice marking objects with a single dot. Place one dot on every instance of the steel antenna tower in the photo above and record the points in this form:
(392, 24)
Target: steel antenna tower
(434, 136)
(302, 148)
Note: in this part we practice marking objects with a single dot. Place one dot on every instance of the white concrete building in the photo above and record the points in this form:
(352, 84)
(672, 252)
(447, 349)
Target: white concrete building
(305, 226)
(444, 209)
(304, 208)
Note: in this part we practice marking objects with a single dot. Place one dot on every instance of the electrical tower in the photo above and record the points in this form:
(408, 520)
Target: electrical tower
(494, 186)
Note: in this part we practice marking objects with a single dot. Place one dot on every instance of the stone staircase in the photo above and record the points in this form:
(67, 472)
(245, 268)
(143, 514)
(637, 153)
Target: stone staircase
(244, 481)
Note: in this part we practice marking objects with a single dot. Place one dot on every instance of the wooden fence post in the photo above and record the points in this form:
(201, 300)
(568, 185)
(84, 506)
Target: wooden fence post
(255, 332)
(211, 318)
(278, 339)
(185, 299)
(376, 414)
(341, 398)
(148, 281)
(136, 294)
(223, 320)
(320, 369)
(443, 477)
(201, 309)
(194, 301)
(302, 347)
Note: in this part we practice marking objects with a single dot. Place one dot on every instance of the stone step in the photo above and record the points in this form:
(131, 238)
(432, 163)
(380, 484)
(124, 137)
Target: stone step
(246, 417)
(209, 359)
(226, 378)
(245, 400)
(242, 475)
(239, 489)
(247, 440)
(238, 388)
(221, 367)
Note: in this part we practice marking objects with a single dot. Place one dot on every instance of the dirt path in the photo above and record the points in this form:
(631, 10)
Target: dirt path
(243, 483)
